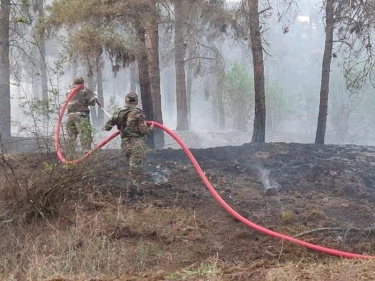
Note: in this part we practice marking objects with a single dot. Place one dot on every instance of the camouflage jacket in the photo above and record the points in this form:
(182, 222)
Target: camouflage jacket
(81, 101)
(130, 120)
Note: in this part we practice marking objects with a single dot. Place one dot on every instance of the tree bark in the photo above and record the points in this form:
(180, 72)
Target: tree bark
(5, 105)
(99, 78)
(169, 92)
(144, 81)
(189, 90)
(91, 85)
(326, 68)
(152, 41)
(42, 49)
(74, 67)
(133, 77)
(38, 69)
(180, 49)
(259, 130)
(220, 85)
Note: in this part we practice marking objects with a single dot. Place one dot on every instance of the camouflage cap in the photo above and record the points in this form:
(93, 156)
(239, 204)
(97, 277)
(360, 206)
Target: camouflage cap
(131, 97)
(78, 80)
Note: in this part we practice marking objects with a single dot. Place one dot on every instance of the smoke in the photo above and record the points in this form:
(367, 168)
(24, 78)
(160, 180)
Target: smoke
(157, 175)
(267, 182)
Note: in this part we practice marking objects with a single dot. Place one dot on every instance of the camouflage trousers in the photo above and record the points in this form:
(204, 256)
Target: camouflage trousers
(134, 149)
(78, 123)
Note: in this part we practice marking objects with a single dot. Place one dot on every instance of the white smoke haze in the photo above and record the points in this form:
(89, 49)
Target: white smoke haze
(293, 63)
(267, 182)
(157, 176)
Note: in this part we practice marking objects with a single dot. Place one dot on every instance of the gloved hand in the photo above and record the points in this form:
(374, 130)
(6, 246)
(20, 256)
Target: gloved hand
(152, 125)
(106, 127)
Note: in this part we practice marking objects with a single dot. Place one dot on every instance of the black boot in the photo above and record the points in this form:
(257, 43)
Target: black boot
(130, 197)
(133, 191)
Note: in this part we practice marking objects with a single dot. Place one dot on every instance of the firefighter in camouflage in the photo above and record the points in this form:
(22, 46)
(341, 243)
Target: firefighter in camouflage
(131, 121)
(78, 120)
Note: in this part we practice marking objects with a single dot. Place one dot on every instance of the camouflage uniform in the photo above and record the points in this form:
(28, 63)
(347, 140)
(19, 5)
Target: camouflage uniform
(78, 121)
(131, 121)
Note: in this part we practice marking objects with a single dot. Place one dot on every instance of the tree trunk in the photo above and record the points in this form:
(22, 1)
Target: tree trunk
(180, 49)
(91, 85)
(259, 131)
(5, 105)
(326, 68)
(169, 92)
(152, 41)
(99, 78)
(42, 49)
(144, 81)
(41, 37)
(189, 89)
(74, 67)
(220, 84)
(133, 77)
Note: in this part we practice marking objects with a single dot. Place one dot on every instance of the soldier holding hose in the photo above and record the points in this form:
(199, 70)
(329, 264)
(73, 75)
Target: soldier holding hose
(131, 121)
(78, 121)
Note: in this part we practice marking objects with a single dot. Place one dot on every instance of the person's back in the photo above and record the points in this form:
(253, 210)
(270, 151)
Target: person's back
(131, 121)
(81, 100)
(78, 121)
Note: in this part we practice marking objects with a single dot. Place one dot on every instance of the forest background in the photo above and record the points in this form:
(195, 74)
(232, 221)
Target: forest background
(193, 62)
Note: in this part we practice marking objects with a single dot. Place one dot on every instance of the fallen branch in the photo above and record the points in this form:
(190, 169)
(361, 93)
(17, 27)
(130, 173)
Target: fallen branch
(347, 230)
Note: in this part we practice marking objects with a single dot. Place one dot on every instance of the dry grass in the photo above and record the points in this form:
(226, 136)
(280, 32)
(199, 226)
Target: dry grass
(107, 242)
(119, 243)
(335, 269)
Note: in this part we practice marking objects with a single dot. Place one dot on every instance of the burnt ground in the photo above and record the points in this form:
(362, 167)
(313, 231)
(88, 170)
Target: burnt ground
(289, 188)
(323, 194)
(279, 186)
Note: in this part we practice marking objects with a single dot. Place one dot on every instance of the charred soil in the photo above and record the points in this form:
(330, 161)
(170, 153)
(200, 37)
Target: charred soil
(322, 194)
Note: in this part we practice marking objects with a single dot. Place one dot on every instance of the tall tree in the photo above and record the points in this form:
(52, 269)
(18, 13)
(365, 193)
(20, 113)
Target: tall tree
(5, 105)
(152, 43)
(41, 42)
(218, 85)
(180, 51)
(251, 20)
(133, 76)
(349, 26)
(144, 79)
(196, 25)
(90, 81)
(99, 83)
(259, 132)
(326, 68)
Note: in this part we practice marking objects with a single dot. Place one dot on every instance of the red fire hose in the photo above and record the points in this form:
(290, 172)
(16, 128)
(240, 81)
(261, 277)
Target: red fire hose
(212, 190)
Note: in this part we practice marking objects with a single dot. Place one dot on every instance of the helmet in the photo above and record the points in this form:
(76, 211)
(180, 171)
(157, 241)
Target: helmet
(131, 97)
(78, 80)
